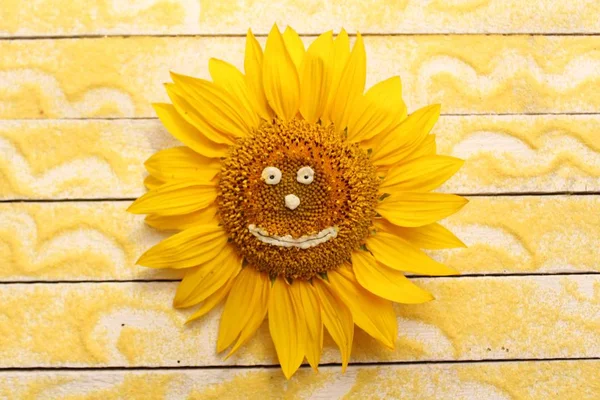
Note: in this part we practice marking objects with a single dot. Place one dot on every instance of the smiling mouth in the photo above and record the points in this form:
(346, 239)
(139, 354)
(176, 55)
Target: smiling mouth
(303, 242)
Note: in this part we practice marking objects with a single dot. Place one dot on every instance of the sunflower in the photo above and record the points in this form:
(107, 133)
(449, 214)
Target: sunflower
(298, 195)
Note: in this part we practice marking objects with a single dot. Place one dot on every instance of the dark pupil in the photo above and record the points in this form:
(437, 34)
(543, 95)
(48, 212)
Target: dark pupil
(306, 177)
(271, 176)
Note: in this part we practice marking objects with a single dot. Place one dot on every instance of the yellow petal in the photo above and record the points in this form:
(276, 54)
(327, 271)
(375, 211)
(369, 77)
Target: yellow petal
(186, 133)
(315, 77)
(206, 216)
(341, 52)
(182, 163)
(386, 282)
(378, 112)
(232, 80)
(337, 319)
(215, 106)
(257, 314)
(212, 301)
(285, 323)
(351, 86)
(418, 209)
(372, 314)
(280, 77)
(245, 308)
(400, 255)
(253, 64)
(426, 148)
(152, 183)
(294, 46)
(405, 154)
(387, 94)
(420, 175)
(403, 140)
(432, 236)
(203, 280)
(306, 300)
(186, 249)
(175, 198)
(195, 116)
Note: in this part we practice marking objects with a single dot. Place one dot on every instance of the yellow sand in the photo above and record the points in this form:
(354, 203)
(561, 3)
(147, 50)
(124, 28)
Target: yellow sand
(102, 241)
(522, 380)
(122, 76)
(74, 241)
(49, 17)
(78, 159)
(134, 324)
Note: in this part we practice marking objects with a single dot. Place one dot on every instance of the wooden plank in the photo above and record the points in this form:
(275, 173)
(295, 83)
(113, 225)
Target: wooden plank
(549, 153)
(78, 159)
(120, 77)
(134, 324)
(100, 241)
(74, 241)
(51, 18)
(494, 380)
(104, 158)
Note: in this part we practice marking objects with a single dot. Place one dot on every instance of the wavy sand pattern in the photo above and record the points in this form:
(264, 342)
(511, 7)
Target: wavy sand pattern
(233, 17)
(504, 235)
(77, 159)
(120, 77)
(488, 380)
(73, 241)
(134, 324)
(103, 159)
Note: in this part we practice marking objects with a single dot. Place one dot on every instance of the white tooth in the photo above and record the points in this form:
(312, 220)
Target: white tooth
(303, 242)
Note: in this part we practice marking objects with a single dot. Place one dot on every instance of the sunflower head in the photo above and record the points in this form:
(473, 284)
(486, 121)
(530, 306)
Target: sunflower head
(296, 198)
(298, 195)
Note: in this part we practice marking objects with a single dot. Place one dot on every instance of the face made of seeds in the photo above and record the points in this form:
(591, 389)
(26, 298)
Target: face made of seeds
(296, 198)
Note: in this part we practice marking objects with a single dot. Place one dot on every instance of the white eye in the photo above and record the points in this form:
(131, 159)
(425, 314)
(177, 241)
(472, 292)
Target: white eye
(271, 175)
(305, 175)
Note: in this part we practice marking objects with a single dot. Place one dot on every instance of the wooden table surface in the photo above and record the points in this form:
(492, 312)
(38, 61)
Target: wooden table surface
(519, 84)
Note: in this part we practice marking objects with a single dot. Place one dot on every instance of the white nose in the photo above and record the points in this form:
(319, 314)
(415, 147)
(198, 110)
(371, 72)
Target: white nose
(292, 201)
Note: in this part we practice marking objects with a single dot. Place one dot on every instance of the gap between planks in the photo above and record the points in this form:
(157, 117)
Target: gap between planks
(421, 277)
(243, 35)
(92, 119)
(275, 366)
(495, 194)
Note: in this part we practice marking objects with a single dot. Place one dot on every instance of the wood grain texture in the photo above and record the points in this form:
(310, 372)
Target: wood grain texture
(120, 77)
(104, 158)
(100, 241)
(134, 324)
(500, 381)
(51, 18)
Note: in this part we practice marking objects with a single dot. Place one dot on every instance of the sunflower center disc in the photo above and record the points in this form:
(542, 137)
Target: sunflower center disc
(283, 218)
